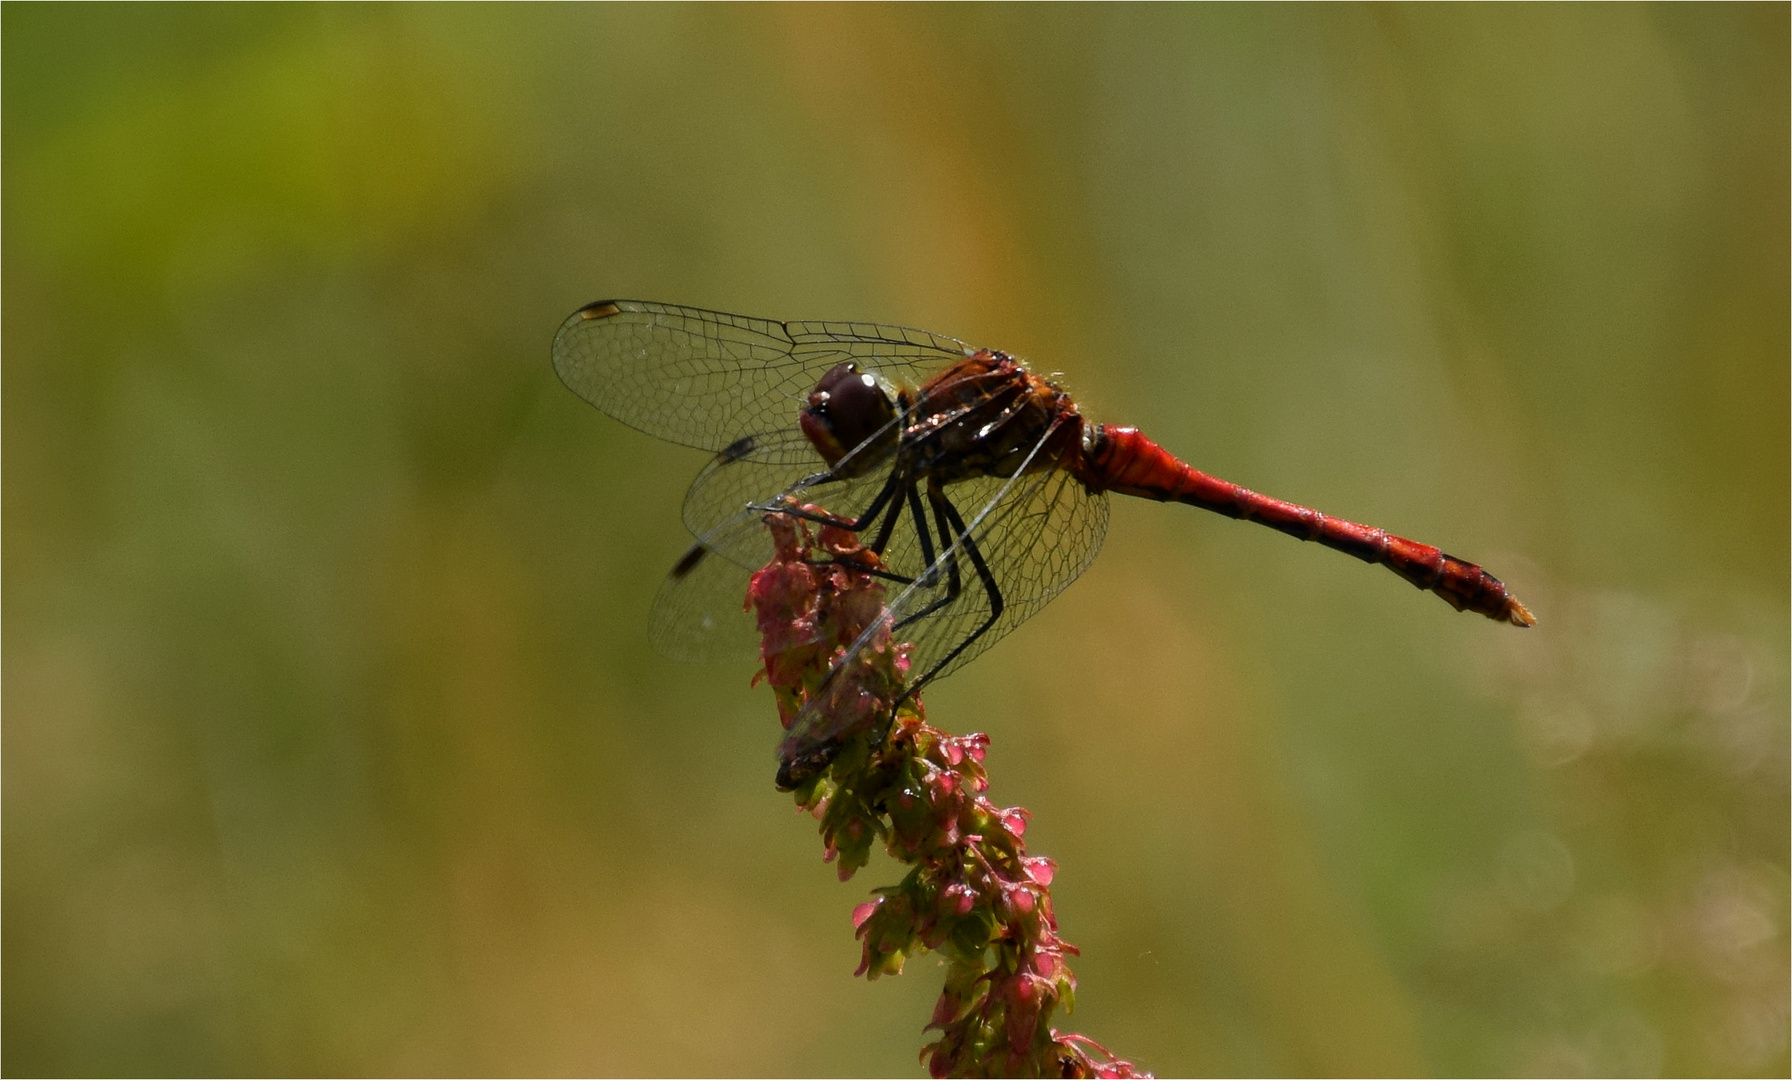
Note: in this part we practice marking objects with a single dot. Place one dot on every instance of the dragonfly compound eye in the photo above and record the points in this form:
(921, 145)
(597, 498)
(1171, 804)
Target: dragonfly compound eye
(847, 409)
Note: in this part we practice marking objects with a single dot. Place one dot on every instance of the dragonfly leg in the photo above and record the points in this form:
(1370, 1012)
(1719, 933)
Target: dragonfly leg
(952, 525)
(858, 524)
(883, 502)
(889, 526)
(930, 579)
(930, 576)
(911, 498)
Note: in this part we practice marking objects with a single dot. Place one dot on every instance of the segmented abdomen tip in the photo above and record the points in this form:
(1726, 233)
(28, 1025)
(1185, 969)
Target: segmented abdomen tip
(1517, 614)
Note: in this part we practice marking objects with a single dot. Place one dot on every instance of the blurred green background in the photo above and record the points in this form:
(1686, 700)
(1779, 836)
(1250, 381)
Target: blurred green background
(332, 742)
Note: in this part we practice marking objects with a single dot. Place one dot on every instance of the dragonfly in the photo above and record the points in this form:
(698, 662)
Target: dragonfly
(978, 483)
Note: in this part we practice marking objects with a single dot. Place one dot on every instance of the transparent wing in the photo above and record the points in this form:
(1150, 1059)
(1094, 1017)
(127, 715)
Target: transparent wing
(1001, 549)
(699, 613)
(1035, 534)
(718, 507)
(705, 378)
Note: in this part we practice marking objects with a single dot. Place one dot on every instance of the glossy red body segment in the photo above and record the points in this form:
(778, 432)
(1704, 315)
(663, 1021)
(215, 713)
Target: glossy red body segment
(1121, 459)
(977, 482)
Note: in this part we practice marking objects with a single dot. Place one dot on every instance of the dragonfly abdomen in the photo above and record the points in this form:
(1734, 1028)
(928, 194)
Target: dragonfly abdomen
(1121, 459)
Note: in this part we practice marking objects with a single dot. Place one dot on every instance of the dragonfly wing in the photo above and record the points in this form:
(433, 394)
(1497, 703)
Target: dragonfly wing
(718, 508)
(705, 378)
(1035, 534)
(700, 614)
(726, 505)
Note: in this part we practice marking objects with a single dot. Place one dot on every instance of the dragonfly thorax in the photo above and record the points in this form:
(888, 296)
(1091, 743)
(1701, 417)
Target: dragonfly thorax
(989, 416)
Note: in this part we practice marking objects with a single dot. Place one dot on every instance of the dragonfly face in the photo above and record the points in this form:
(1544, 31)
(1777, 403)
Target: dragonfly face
(848, 410)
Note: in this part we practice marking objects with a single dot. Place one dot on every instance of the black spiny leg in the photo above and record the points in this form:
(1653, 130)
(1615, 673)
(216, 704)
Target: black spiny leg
(951, 524)
(889, 525)
(884, 532)
(864, 521)
(930, 577)
(860, 524)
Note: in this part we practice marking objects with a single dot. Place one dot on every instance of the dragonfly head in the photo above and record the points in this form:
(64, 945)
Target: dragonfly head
(848, 409)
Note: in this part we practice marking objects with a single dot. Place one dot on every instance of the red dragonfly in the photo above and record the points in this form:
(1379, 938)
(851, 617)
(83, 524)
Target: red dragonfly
(977, 482)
